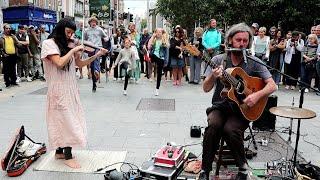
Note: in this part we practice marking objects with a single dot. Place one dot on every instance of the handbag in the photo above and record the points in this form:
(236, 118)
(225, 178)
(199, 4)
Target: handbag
(310, 65)
(146, 57)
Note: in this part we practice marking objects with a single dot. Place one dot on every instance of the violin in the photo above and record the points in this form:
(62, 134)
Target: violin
(88, 46)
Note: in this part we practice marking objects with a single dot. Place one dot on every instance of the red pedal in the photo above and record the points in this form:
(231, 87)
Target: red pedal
(169, 156)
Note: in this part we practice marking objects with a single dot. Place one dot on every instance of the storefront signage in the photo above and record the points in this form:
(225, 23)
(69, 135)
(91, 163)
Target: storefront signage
(47, 16)
(100, 9)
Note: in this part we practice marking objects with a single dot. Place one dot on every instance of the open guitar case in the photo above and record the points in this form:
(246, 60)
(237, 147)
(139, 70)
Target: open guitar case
(15, 162)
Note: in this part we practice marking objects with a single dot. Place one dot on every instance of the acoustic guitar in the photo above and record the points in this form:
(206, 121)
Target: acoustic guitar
(237, 86)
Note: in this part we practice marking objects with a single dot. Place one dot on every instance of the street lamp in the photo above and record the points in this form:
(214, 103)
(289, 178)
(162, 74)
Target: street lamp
(128, 17)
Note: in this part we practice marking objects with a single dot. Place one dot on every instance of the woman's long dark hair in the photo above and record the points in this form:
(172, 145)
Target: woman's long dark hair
(59, 36)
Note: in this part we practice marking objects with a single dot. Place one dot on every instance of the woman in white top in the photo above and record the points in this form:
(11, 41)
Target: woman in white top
(292, 59)
(260, 45)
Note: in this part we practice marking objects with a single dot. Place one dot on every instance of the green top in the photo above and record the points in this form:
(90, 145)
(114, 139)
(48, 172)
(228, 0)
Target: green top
(78, 33)
(157, 46)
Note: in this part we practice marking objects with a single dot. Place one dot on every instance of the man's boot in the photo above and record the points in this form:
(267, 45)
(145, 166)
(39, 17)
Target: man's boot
(204, 175)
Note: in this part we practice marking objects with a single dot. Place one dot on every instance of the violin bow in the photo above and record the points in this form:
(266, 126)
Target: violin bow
(83, 21)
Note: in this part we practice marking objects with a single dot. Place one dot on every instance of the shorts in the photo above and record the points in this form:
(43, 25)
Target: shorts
(177, 63)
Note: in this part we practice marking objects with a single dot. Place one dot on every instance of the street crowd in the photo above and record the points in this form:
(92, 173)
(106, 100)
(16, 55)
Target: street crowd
(160, 53)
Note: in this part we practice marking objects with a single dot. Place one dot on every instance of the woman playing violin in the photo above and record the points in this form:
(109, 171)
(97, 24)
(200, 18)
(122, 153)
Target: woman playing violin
(65, 116)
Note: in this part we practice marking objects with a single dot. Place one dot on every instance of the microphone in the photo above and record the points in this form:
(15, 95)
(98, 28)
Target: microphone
(233, 49)
(237, 49)
(243, 50)
(244, 53)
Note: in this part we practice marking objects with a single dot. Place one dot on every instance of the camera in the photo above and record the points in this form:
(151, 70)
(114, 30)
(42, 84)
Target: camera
(12, 32)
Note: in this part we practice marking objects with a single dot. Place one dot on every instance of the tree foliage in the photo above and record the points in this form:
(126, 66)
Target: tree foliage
(143, 23)
(288, 14)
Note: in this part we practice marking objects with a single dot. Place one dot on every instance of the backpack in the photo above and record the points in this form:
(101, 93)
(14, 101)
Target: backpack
(309, 170)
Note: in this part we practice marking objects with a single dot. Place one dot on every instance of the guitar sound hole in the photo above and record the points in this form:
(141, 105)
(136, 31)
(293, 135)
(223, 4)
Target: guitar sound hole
(239, 90)
(240, 97)
(240, 85)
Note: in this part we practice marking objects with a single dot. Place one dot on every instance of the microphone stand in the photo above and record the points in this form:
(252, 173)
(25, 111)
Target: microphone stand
(301, 83)
(305, 85)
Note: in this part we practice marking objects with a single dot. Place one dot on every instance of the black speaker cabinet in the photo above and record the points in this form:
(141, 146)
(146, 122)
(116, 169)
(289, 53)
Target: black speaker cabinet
(267, 121)
(195, 131)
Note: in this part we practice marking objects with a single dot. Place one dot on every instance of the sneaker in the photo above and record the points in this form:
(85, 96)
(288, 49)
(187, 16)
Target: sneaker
(94, 88)
(287, 87)
(156, 92)
(18, 79)
(293, 87)
(317, 93)
(306, 90)
(42, 78)
(29, 79)
(150, 79)
(125, 92)
(115, 79)
(241, 176)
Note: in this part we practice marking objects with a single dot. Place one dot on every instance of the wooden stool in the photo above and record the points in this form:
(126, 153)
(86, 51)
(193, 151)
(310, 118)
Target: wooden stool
(224, 157)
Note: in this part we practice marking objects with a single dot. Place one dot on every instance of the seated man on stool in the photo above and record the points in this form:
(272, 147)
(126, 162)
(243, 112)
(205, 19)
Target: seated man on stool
(224, 117)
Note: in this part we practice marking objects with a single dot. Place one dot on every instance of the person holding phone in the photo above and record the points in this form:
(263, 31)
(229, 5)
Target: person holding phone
(276, 47)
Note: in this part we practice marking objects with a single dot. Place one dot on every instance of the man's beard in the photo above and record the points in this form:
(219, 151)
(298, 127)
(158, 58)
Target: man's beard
(237, 53)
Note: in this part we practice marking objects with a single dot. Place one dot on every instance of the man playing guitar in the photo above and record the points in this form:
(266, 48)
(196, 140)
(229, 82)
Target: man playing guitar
(224, 117)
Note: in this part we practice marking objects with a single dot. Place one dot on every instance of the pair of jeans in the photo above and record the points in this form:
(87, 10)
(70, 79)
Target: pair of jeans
(224, 119)
(23, 65)
(37, 67)
(9, 69)
(124, 66)
(195, 69)
(306, 74)
(159, 63)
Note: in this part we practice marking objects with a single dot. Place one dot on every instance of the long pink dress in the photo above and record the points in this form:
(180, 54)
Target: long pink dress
(65, 116)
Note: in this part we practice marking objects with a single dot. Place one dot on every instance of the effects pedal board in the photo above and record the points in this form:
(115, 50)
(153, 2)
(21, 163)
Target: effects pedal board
(169, 156)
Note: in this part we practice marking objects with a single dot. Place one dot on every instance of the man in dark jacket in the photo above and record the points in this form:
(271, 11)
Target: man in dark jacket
(143, 39)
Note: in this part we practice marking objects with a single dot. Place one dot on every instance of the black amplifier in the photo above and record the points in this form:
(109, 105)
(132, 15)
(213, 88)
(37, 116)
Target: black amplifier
(267, 121)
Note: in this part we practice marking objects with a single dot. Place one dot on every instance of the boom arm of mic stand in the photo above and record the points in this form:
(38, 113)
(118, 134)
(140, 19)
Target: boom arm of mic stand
(278, 71)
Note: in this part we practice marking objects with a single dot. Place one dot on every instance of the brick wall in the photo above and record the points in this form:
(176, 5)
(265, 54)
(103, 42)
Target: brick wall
(38, 3)
(18, 2)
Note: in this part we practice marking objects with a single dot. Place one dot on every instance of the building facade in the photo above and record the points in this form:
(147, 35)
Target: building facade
(31, 12)
(3, 4)
(117, 10)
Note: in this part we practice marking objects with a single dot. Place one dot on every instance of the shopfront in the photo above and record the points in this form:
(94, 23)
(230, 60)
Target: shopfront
(30, 15)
